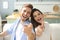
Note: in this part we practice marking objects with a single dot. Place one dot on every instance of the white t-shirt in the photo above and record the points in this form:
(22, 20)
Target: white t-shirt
(19, 31)
(46, 33)
(20, 35)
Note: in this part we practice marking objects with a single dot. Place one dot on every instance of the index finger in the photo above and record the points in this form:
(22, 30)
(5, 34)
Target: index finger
(30, 26)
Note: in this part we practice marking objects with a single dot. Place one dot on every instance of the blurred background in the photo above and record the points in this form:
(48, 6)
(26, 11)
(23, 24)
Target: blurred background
(9, 12)
(51, 8)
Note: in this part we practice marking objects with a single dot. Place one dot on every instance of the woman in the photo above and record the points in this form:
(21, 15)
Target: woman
(42, 29)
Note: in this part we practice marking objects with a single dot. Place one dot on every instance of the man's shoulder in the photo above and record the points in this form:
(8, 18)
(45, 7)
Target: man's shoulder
(28, 21)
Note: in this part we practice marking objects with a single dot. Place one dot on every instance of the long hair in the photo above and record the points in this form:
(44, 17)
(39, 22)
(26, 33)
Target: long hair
(35, 23)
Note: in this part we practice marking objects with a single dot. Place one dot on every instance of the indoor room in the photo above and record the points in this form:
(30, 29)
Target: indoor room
(10, 11)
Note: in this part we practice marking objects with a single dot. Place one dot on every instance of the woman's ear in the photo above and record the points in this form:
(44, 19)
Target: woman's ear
(43, 15)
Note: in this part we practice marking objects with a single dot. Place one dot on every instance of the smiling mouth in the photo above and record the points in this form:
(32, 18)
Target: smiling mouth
(25, 17)
(39, 19)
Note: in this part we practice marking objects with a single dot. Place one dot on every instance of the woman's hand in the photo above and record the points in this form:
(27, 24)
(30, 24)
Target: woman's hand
(39, 30)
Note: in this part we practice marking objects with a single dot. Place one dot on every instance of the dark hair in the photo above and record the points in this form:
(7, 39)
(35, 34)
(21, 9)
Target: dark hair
(28, 5)
(35, 23)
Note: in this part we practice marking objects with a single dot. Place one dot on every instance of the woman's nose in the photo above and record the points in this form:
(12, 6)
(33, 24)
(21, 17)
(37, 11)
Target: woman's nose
(37, 16)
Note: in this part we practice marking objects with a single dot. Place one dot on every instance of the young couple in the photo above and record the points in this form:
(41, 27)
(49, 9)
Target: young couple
(23, 29)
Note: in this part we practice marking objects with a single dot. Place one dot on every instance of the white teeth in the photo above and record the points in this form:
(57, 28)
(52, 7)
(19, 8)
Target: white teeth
(24, 17)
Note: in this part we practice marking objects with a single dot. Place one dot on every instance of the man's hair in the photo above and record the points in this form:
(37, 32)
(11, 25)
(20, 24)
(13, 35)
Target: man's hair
(28, 5)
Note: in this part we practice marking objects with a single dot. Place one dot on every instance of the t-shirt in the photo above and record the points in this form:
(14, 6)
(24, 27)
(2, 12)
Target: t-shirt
(46, 33)
(16, 30)
(20, 35)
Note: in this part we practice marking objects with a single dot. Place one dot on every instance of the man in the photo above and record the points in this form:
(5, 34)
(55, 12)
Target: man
(18, 29)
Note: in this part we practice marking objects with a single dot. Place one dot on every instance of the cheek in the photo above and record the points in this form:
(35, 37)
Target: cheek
(35, 19)
(28, 15)
(21, 12)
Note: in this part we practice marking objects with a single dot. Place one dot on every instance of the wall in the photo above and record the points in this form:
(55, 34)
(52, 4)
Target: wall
(12, 4)
(43, 6)
(8, 11)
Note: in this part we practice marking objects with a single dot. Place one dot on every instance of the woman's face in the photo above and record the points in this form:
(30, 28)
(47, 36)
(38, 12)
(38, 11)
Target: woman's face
(38, 16)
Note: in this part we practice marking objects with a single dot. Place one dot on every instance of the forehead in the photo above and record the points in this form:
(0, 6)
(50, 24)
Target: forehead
(36, 12)
(27, 9)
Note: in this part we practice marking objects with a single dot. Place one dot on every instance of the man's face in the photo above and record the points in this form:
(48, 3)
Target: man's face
(26, 11)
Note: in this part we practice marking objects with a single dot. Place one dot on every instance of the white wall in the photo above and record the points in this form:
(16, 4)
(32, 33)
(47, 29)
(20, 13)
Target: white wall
(43, 6)
(6, 11)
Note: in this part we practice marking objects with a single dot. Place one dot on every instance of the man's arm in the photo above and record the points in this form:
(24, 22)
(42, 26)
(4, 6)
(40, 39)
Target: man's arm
(2, 34)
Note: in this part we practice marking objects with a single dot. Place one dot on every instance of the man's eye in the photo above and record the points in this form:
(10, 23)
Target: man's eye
(28, 12)
(24, 10)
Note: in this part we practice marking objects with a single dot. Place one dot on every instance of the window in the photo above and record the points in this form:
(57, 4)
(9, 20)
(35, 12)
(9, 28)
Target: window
(29, 0)
(5, 5)
(38, 0)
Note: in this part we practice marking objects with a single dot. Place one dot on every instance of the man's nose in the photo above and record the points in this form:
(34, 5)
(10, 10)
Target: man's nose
(26, 13)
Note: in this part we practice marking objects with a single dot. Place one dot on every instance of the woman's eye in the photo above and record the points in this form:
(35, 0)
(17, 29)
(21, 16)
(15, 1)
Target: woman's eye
(34, 15)
(38, 13)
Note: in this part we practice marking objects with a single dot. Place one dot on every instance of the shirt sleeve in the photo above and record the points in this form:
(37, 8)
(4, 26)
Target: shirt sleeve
(10, 29)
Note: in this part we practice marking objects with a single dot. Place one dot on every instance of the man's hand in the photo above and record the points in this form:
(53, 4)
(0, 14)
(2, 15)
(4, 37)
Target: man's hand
(28, 29)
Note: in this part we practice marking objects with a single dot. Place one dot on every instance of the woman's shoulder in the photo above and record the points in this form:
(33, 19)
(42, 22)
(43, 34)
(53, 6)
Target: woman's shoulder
(46, 23)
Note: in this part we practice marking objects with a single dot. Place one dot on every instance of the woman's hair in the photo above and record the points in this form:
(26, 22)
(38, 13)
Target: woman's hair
(35, 23)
